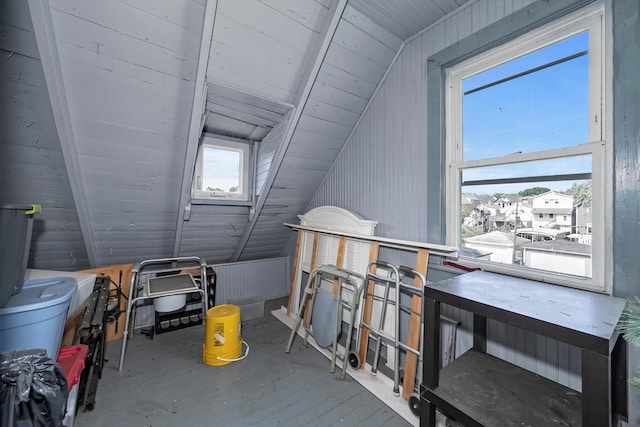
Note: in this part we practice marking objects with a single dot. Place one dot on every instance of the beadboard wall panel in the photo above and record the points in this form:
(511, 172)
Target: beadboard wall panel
(259, 280)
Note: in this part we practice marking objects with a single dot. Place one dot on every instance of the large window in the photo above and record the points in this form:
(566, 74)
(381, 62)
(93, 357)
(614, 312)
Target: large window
(525, 141)
(223, 170)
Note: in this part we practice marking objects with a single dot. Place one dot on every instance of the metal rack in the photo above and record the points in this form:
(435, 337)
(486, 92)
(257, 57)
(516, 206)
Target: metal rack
(169, 285)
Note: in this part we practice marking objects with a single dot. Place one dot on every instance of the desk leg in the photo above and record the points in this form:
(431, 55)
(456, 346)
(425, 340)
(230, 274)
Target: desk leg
(431, 343)
(431, 355)
(427, 413)
(619, 377)
(479, 333)
(596, 389)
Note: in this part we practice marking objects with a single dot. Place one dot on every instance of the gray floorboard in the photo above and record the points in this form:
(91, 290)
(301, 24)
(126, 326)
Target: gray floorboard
(164, 382)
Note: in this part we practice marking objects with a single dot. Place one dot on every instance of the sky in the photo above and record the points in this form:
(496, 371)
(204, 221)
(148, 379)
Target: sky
(221, 169)
(543, 110)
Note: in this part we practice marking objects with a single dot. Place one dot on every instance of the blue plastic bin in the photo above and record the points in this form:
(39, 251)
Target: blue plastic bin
(35, 317)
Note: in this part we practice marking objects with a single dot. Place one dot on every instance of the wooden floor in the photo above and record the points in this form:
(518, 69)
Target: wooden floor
(165, 383)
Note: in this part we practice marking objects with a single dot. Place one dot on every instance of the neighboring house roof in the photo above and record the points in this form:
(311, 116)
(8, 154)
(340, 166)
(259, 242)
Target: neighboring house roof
(545, 232)
(472, 253)
(560, 246)
(551, 193)
(496, 238)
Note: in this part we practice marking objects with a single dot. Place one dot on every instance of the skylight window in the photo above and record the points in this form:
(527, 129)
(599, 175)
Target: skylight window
(223, 170)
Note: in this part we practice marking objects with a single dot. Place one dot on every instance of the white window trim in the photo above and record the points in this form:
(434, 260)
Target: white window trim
(245, 148)
(589, 18)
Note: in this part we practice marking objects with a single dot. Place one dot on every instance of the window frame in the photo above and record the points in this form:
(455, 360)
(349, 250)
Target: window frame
(591, 18)
(247, 163)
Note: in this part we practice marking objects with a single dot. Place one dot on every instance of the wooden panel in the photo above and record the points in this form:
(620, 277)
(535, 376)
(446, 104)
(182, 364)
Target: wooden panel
(236, 68)
(283, 52)
(129, 108)
(89, 63)
(240, 114)
(143, 54)
(139, 23)
(415, 329)
(188, 15)
(337, 97)
(342, 80)
(352, 63)
(367, 307)
(294, 274)
(270, 21)
(310, 141)
(267, 150)
(309, 13)
(32, 168)
(375, 30)
(95, 100)
(326, 112)
(18, 40)
(362, 44)
(313, 124)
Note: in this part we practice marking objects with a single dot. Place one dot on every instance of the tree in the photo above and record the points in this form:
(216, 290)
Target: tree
(534, 191)
(630, 327)
(582, 193)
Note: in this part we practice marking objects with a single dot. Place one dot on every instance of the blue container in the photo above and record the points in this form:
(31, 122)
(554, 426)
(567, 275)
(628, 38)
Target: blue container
(35, 317)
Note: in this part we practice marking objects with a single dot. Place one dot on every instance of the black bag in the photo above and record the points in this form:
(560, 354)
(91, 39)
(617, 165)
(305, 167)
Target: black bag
(33, 389)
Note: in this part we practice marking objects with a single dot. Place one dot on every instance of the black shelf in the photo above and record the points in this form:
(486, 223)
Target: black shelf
(480, 389)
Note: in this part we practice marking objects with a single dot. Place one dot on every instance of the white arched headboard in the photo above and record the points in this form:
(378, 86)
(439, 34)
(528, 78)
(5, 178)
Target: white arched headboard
(337, 219)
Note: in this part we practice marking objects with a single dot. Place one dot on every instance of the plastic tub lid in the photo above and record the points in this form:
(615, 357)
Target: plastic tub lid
(31, 209)
(41, 293)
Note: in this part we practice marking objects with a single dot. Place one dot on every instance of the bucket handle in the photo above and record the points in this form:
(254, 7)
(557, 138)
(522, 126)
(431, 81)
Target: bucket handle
(237, 359)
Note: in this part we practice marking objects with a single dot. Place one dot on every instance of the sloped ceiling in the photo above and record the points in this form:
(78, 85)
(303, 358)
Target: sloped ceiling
(123, 80)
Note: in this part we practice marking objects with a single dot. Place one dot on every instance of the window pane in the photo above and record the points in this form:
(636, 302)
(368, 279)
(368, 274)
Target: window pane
(221, 170)
(574, 165)
(540, 225)
(516, 107)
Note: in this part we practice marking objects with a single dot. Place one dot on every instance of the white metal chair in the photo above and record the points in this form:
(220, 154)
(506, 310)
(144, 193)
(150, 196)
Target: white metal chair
(175, 284)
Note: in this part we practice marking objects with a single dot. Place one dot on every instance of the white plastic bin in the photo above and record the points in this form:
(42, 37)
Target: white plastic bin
(35, 317)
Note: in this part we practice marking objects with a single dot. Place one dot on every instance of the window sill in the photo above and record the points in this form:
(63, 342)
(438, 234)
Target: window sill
(222, 202)
(559, 279)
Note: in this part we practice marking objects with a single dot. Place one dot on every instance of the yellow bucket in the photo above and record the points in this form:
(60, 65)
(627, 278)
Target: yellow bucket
(222, 341)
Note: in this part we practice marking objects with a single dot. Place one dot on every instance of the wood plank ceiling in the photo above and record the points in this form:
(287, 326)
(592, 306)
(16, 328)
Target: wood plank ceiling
(121, 76)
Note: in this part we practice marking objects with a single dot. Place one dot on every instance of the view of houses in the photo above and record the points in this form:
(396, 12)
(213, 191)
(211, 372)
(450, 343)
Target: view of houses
(549, 231)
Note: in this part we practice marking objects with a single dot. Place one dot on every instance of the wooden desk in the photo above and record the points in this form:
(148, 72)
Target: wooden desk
(478, 389)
